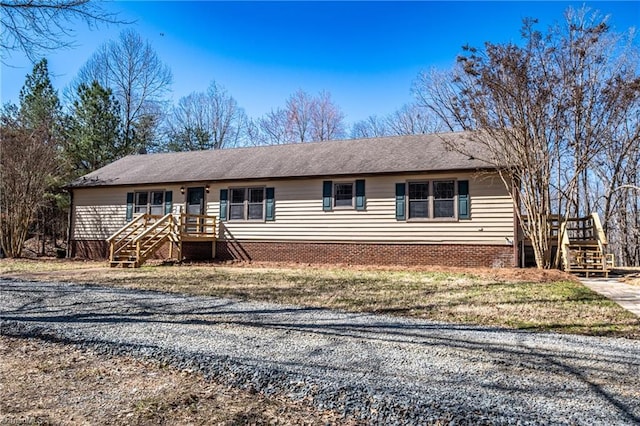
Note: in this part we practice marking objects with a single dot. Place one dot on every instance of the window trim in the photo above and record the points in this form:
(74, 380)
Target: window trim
(231, 204)
(149, 203)
(428, 199)
(245, 204)
(335, 192)
(249, 203)
(431, 201)
(454, 200)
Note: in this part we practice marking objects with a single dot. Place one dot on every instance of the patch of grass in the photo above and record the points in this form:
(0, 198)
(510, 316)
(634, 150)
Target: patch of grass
(547, 302)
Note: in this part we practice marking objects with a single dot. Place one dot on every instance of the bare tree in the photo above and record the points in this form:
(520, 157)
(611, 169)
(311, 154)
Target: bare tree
(542, 113)
(136, 75)
(275, 128)
(37, 26)
(617, 190)
(211, 120)
(438, 92)
(327, 120)
(186, 126)
(372, 127)
(36, 123)
(304, 119)
(227, 121)
(252, 134)
(299, 114)
(27, 169)
(412, 119)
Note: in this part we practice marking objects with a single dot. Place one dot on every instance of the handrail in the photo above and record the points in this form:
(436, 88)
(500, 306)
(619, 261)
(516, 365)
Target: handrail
(601, 238)
(156, 230)
(124, 241)
(155, 225)
(205, 225)
(143, 249)
(611, 260)
(127, 226)
(598, 229)
(116, 246)
(565, 242)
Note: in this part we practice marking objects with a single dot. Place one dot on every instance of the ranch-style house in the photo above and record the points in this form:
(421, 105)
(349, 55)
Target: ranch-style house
(402, 200)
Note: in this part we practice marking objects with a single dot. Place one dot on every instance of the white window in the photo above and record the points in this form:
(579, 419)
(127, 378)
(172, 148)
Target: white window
(444, 196)
(236, 205)
(151, 202)
(255, 204)
(246, 204)
(418, 200)
(432, 199)
(343, 194)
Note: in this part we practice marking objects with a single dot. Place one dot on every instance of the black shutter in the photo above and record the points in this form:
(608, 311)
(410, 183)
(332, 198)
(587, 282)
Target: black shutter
(168, 202)
(400, 201)
(269, 204)
(129, 206)
(327, 187)
(360, 198)
(464, 211)
(224, 195)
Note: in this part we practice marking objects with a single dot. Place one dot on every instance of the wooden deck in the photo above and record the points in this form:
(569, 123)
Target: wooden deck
(580, 242)
(139, 239)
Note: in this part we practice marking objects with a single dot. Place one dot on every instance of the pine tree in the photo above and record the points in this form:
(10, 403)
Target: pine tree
(39, 102)
(95, 130)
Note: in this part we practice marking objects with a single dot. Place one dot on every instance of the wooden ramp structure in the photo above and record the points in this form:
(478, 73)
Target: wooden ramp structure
(584, 246)
(140, 239)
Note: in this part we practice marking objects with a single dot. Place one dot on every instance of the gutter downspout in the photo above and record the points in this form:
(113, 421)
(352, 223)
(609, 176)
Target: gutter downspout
(70, 224)
(517, 262)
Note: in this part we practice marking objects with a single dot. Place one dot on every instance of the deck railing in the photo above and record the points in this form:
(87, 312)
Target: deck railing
(197, 225)
(145, 234)
(584, 245)
(147, 242)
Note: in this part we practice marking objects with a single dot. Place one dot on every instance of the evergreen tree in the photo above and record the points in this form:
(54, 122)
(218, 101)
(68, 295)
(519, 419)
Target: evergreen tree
(39, 102)
(95, 129)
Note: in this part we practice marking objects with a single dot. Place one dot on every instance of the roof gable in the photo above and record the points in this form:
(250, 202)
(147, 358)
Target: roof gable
(397, 154)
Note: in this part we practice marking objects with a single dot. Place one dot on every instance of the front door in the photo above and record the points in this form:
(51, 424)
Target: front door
(195, 206)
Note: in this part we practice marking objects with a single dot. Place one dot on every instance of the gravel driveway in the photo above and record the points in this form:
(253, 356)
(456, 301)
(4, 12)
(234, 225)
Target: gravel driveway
(378, 368)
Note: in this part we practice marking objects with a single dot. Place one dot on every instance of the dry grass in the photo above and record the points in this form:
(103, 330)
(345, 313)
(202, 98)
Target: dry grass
(517, 298)
(53, 384)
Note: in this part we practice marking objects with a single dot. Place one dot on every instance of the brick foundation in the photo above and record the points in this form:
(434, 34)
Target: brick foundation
(327, 253)
(91, 249)
(368, 253)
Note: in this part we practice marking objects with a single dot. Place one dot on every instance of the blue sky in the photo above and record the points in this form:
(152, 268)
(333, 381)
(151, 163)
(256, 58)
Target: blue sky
(366, 54)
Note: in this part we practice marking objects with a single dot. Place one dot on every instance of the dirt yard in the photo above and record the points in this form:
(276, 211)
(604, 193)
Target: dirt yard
(49, 383)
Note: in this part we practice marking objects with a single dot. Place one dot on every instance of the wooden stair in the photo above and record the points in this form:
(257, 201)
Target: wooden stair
(139, 239)
(584, 246)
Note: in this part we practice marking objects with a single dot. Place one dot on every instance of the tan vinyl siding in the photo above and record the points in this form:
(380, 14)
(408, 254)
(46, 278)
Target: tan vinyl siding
(99, 212)
(299, 215)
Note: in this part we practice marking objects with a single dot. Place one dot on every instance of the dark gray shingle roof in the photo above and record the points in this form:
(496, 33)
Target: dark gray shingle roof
(397, 154)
